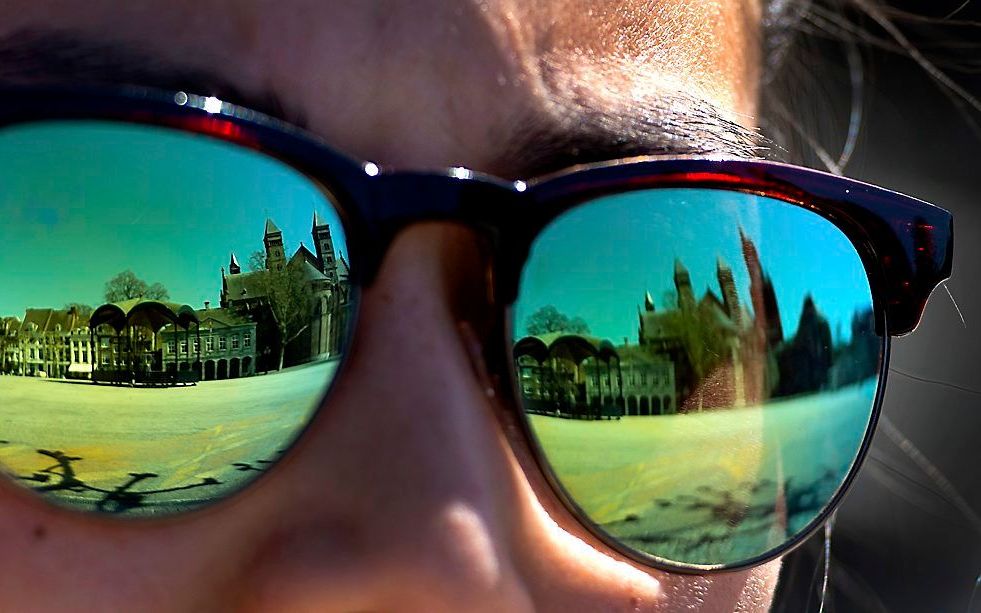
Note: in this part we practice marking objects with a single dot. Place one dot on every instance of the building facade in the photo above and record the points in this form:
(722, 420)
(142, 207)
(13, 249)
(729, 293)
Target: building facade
(47, 343)
(326, 297)
(649, 386)
(701, 352)
(223, 346)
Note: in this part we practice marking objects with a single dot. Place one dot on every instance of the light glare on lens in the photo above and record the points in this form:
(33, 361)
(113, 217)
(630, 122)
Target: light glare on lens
(212, 105)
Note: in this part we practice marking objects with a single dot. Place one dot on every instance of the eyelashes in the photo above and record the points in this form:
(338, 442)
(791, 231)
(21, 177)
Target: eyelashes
(38, 55)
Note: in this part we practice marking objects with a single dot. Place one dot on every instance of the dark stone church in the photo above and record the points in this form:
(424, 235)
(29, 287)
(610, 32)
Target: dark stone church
(325, 275)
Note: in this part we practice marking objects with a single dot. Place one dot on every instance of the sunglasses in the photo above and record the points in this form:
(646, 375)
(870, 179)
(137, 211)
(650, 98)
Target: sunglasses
(696, 348)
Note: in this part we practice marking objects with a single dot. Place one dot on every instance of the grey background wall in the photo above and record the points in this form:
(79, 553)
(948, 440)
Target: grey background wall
(908, 536)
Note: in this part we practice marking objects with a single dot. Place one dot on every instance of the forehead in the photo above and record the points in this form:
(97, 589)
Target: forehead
(427, 83)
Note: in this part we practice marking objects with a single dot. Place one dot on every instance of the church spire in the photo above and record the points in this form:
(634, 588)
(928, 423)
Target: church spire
(727, 285)
(233, 267)
(318, 221)
(682, 283)
(272, 228)
(324, 244)
(273, 241)
(766, 312)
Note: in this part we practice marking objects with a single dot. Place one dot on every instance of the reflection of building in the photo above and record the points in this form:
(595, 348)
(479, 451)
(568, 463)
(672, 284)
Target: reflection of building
(704, 352)
(569, 374)
(766, 331)
(325, 277)
(128, 342)
(649, 386)
(46, 343)
(141, 340)
(701, 339)
(687, 358)
(133, 341)
(699, 353)
(766, 313)
(857, 360)
(805, 361)
(582, 376)
(9, 344)
(224, 349)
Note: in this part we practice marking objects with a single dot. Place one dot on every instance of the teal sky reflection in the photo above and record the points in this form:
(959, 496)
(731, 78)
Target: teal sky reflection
(597, 261)
(83, 201)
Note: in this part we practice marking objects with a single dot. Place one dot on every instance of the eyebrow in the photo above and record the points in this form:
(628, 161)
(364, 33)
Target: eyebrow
(42, 56)
(668, 123)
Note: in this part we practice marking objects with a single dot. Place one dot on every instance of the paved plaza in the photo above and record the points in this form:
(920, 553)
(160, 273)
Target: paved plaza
(148, 450)
(713, 485)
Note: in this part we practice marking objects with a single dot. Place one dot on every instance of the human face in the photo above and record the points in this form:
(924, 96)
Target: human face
(416, 493)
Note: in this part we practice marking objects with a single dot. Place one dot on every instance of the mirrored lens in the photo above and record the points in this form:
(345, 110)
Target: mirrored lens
(699, 368)
(174, 308)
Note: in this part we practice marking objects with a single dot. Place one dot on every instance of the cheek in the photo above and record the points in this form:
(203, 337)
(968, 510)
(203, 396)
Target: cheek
(57, 560)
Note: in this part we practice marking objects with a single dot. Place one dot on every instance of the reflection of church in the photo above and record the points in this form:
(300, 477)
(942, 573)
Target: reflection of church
(720, 350)
(154, 342)
(700, 353)
(326, 277)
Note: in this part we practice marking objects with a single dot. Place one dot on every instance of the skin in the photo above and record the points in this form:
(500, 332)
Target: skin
(418, 494)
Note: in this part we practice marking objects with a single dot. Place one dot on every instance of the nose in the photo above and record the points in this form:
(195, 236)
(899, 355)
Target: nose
(400, 496)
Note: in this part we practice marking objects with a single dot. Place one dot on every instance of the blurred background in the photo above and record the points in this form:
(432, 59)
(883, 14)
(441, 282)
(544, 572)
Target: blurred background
(908, 536)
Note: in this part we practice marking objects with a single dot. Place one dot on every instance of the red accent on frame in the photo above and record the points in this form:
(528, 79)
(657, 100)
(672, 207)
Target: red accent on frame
(220, 128)
(215, 126)
(757, 184)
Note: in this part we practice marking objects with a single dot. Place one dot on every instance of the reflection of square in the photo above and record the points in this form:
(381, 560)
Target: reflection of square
(173, 440)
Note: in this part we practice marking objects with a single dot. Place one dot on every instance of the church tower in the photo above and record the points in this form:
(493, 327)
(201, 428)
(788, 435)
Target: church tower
(648, 302)
(682, 283)
(774, 332)
(233, 267)
(325, 248)
(273, 240)
(765, 308)
(755, 270)
(727, 285)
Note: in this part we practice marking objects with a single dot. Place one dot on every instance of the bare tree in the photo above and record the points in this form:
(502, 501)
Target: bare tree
(288, 296)
(83, 310)
(704, 342)
(126, 286)
(157, 291)
(549, 319)
(257, 261)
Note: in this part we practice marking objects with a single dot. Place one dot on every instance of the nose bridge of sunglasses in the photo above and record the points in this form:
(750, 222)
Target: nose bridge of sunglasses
(399, 200)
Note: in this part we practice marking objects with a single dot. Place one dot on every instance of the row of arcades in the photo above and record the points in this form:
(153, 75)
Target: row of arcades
(217, 370)
(576, 376)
